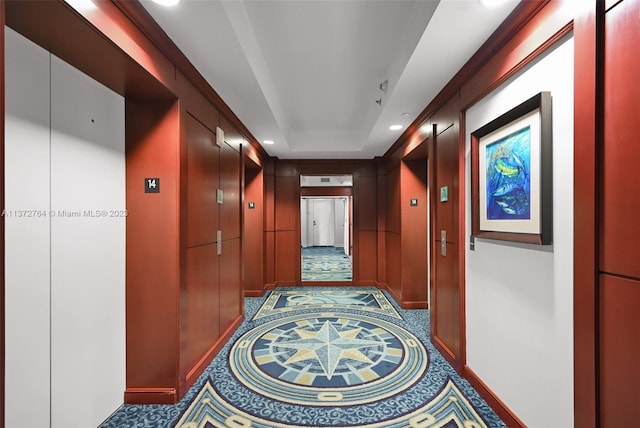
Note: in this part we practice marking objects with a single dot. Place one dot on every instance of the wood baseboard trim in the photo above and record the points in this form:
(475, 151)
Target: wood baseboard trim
(206, 359)
(367, 284)
(285, 284)
(446, 353)
(419, 304)
(253, 293)
(150, 396)
(393, 294)
(507, 416)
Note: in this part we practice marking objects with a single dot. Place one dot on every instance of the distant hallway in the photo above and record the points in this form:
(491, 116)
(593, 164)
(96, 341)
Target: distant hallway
(326, 264)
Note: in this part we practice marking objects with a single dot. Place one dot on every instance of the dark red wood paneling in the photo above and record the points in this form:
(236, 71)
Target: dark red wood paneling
(367, 256)
(230, 184)
(619, 293)
(446, 158)
(269, 223)
(326, 191)
(393, 259)
(269, 199)
(56, 27)
(620, 251)
(152, 268)
(232, 136)
(253, 233)
(285, 213)
(585, 215)
(196, 104)
(203, 158)
(414, 232)
(619, 349)
(447, 300)
(381, 210)
(287, 204)
(269, 263)
(446, 288)
(287, 168)
(199, 305)
(392, 216)
(230, 283)
(287, 261)
(367, 202)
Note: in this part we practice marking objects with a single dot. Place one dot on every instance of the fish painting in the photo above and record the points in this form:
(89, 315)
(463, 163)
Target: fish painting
(508, 184)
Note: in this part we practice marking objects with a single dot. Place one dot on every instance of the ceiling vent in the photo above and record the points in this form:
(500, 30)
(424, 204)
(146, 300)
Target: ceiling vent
(325, 179)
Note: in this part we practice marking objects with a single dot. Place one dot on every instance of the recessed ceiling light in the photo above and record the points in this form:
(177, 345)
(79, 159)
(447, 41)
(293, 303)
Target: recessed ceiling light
(405, 114)
(269, 142)
(167, 2)
(395, 127)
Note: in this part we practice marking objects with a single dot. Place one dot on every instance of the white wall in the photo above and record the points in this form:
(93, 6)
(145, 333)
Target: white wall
(339, 210)
(333, 210)
(306, 223)
(519, 307)
(65, 276)
(27, 252)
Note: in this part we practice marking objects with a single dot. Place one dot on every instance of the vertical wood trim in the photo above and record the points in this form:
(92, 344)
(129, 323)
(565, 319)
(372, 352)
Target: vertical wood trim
(462, 230)
(586, 136)
(381, 227)
(2, 369)
(433, 204)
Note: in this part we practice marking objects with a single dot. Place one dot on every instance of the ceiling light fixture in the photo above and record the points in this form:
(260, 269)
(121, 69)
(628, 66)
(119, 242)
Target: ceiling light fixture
(395, 127)
(269, 142)
(167, 2)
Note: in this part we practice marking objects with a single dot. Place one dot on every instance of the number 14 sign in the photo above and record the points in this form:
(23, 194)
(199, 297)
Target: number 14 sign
(152, 185)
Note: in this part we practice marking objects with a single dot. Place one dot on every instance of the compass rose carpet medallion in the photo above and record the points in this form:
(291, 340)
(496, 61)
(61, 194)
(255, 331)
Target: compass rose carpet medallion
(332, 358)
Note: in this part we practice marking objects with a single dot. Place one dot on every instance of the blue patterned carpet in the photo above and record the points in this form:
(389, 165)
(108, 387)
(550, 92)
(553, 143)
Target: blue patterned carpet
(325, 357)
(326, 264)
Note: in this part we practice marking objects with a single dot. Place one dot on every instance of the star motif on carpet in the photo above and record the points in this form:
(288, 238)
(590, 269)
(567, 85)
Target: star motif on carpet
(328, 346)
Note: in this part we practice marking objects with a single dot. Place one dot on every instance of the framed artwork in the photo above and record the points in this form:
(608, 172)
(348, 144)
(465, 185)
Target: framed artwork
(512, 176)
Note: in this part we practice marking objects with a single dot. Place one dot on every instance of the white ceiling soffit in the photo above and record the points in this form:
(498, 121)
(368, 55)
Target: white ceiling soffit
(307, 73)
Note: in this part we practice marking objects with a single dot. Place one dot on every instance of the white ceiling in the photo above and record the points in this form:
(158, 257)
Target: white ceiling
(307, 73)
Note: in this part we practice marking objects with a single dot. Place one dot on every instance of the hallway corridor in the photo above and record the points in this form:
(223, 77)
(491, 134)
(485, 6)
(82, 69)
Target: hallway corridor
(323, 357)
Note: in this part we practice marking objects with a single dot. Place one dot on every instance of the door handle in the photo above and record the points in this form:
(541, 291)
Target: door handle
(443, 243)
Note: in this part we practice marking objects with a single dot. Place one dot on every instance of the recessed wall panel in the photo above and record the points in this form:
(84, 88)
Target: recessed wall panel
(203, 157)
(619, 347)
(230, 185)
